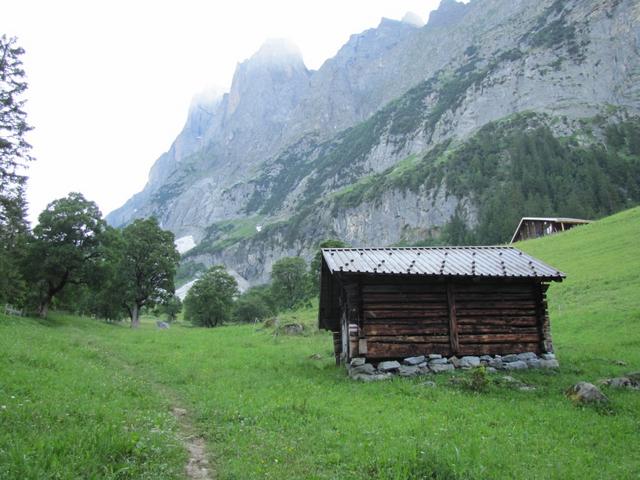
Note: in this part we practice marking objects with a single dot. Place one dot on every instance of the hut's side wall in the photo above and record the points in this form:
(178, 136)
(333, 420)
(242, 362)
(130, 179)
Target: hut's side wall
(402, 317)
(498, 318)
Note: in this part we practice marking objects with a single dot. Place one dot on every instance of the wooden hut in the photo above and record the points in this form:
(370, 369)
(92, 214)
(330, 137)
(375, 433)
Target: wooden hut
(389, 303)
(534, 227)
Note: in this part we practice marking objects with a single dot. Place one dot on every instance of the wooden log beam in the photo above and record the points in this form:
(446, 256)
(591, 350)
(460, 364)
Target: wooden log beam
(453, 321)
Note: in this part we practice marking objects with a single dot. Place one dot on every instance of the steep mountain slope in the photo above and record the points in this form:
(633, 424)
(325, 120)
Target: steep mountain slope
(493, 110)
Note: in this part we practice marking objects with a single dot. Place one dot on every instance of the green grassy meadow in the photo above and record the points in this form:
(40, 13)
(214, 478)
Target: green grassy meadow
(82, 399)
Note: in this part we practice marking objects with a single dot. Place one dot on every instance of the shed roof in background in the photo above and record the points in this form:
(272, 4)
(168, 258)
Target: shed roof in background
(490, 262)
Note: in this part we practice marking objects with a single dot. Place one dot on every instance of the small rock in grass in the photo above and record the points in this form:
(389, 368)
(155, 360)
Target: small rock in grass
(585, 393)
(434, 356)
(438, 361)
(548, 356)
(622, 363)
(388, 366)
(366, 369)
(491, 370)
(429, 384)
(442, 367)
(356, 362)
(469, 362)
(315, 356)
(621, 382)
(162, 325)
(293, 329)
(408, 370)
(512, 357)
(414, 360)
(549, 364)
(517, 365)
(372, 378)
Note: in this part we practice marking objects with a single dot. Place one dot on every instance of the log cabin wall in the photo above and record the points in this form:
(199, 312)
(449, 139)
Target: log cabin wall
(400, 317)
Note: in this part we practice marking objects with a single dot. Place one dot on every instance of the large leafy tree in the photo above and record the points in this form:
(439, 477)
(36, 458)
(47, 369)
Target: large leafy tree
(146, 260)
(210, 300)
(290, 282)
(14, 155)
(64, 247)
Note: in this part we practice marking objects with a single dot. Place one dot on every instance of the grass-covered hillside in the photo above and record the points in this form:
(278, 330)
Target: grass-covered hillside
(81, 399)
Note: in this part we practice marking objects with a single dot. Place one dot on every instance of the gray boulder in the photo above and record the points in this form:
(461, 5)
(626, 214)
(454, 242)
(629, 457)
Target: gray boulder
(365, 368)
(162, 325)
(621, 382)
(549, 364)
(441, 367)
(548, 356)
(527, 356)
(469, 362)
(533, 363)
(293, 329)
(496, 363)
(388, 366)
(434, 356)
(512, 357)
(438, 361)
(585, 393)
(372, 378)
(408, 370)
(356, 362)
(414, 360)
(517, 365)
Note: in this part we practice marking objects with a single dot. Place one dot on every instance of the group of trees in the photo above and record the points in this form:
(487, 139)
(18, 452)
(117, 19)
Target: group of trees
(215, 299)
(73, 258)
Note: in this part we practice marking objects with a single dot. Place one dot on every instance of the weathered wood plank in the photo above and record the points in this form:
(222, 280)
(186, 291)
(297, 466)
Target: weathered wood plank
(403, 297)
(409, 338)
(453, 321)
(500, 338)
(403, 288)
(470, 312)
(431, 321)
(404, 306)
(505, 320)
(403, 313)
(415, 329)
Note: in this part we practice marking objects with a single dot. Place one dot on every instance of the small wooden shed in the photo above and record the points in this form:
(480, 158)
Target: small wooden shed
(389, 303)
(534, 227)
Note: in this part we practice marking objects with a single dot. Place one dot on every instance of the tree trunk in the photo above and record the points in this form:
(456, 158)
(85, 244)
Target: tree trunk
(135, 316)
(43, 308)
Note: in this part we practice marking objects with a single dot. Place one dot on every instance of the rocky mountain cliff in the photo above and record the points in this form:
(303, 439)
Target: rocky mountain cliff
(409, 134)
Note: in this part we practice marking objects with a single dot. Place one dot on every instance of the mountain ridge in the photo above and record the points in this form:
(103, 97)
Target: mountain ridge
(355, 120)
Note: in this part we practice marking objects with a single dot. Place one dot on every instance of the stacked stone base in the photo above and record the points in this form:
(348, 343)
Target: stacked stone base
(359, 369)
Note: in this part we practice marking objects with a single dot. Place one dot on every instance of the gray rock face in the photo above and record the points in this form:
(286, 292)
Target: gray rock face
(585, 393)
(279, 118)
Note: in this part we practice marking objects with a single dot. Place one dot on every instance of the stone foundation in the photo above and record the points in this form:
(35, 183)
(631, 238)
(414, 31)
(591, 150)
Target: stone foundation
(359, 369)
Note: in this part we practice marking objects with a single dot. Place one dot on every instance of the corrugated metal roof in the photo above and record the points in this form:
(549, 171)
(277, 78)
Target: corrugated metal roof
(500, 262)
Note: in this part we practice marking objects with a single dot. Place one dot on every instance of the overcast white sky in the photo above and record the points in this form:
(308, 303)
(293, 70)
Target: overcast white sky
(110, 82)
